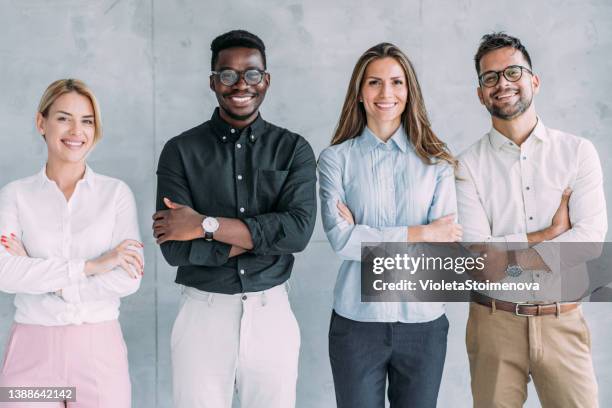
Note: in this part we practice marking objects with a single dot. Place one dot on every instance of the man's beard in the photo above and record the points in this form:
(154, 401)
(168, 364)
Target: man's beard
(511, 112)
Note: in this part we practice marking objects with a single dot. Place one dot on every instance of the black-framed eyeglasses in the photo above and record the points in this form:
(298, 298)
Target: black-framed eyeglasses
(512, 73)
(229, 77)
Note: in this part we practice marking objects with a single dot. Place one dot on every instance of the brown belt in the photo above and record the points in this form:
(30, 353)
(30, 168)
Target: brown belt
(524, 309)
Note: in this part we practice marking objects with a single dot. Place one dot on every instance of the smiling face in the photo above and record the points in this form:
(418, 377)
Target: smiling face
(239, 103)
(384, 91)
(68, 128)
(507, 100)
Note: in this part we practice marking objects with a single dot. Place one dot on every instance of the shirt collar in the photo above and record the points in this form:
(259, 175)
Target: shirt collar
(226, 133)
(368, 141)
(498, 140)
(88, 177)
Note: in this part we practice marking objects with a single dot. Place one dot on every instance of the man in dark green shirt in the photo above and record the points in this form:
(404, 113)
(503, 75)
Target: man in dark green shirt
(235, 199)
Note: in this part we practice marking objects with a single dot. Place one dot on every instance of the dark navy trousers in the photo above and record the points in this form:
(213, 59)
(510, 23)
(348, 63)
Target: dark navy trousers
(364, 354)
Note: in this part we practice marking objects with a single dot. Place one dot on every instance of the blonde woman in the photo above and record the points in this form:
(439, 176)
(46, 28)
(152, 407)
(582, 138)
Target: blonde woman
(70, 250)
(385, 178)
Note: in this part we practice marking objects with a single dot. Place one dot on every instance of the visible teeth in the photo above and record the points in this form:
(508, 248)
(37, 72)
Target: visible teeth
(71, 143)
(385, 105)
(241, 98)
(506, 95)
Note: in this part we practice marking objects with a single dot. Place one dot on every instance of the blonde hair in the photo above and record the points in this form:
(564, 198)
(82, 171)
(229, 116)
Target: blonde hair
(64, 86)
(414, 119)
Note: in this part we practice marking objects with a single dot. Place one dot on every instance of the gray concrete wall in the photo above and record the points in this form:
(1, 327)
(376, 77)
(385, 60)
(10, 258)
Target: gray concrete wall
(148, 62)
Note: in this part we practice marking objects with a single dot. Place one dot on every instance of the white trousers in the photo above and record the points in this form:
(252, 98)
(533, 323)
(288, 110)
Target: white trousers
(245, 344)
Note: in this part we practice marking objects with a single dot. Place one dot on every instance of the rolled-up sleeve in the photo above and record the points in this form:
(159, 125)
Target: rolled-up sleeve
(289, 228)
(346, 238)
(588, 216)
(172, 183)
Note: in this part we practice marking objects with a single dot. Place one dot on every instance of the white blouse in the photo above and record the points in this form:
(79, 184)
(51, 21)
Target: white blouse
(59, 237)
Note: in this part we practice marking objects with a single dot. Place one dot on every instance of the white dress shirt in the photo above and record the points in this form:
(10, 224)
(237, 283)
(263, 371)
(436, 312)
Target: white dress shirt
(59, 236)
(505, 191)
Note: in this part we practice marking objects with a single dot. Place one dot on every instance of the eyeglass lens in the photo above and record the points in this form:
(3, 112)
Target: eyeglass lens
(511, 73)
(229, 77)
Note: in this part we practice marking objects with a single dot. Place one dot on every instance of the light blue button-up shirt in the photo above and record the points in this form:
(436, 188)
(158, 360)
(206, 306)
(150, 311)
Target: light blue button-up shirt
(387, 188)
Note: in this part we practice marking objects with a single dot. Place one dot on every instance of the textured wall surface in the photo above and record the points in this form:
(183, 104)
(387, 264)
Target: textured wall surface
(148, 62)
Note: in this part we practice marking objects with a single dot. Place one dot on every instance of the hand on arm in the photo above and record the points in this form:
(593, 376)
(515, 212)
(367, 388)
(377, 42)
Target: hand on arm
(182, 223)
(119, 257)
(122, 256)
(560, 222)
(444, 229)
(528, 259)
(13, 245)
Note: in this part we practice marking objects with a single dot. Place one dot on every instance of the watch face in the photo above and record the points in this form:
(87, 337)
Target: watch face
(210, 224)
(514, 271)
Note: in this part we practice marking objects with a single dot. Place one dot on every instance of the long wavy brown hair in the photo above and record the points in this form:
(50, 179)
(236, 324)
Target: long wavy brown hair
(414, 119)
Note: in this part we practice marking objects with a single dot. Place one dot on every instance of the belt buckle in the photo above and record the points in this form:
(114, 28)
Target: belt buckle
(516, 309)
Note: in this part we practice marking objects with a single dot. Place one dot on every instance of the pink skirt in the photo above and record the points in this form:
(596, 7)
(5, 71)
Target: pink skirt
(90, 357)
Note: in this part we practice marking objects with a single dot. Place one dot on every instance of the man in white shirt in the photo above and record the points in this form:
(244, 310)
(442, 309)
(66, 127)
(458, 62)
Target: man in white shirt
(513, 187)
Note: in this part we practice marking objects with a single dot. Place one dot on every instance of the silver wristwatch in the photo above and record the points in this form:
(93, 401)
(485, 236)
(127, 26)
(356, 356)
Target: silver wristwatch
(513, 270)
(210, 225)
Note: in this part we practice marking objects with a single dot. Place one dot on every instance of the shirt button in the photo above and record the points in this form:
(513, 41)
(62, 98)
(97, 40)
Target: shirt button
(537, 275)
(252, 138)
(241, 209)
(531, 218)
(224, 138)
(524, 157)
(527, 188)
(238, 146)
(233, 130)
(239, 177)
(242, 271)
(244, 297)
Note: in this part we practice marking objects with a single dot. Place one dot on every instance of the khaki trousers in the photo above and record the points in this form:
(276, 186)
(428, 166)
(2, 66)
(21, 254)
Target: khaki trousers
(505, 350)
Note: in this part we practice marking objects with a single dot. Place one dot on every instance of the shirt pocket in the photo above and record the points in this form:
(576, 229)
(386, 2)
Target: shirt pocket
(268, 186)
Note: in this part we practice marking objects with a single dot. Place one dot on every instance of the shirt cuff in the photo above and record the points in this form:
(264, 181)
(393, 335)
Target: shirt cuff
(266, 231)
(549, 252)
(395, 234)
(208, 253)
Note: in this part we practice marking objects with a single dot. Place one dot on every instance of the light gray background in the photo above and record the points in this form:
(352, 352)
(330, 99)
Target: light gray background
(148, 62)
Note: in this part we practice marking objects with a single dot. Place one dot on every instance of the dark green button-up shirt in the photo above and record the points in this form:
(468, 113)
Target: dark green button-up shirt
(263, 175)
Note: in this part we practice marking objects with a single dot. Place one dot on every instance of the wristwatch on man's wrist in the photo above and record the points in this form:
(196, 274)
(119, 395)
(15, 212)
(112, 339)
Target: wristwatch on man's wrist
(210, 225)
(514, 269)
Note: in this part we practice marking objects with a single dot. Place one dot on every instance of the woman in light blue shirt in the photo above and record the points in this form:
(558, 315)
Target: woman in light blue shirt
(385, 178)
